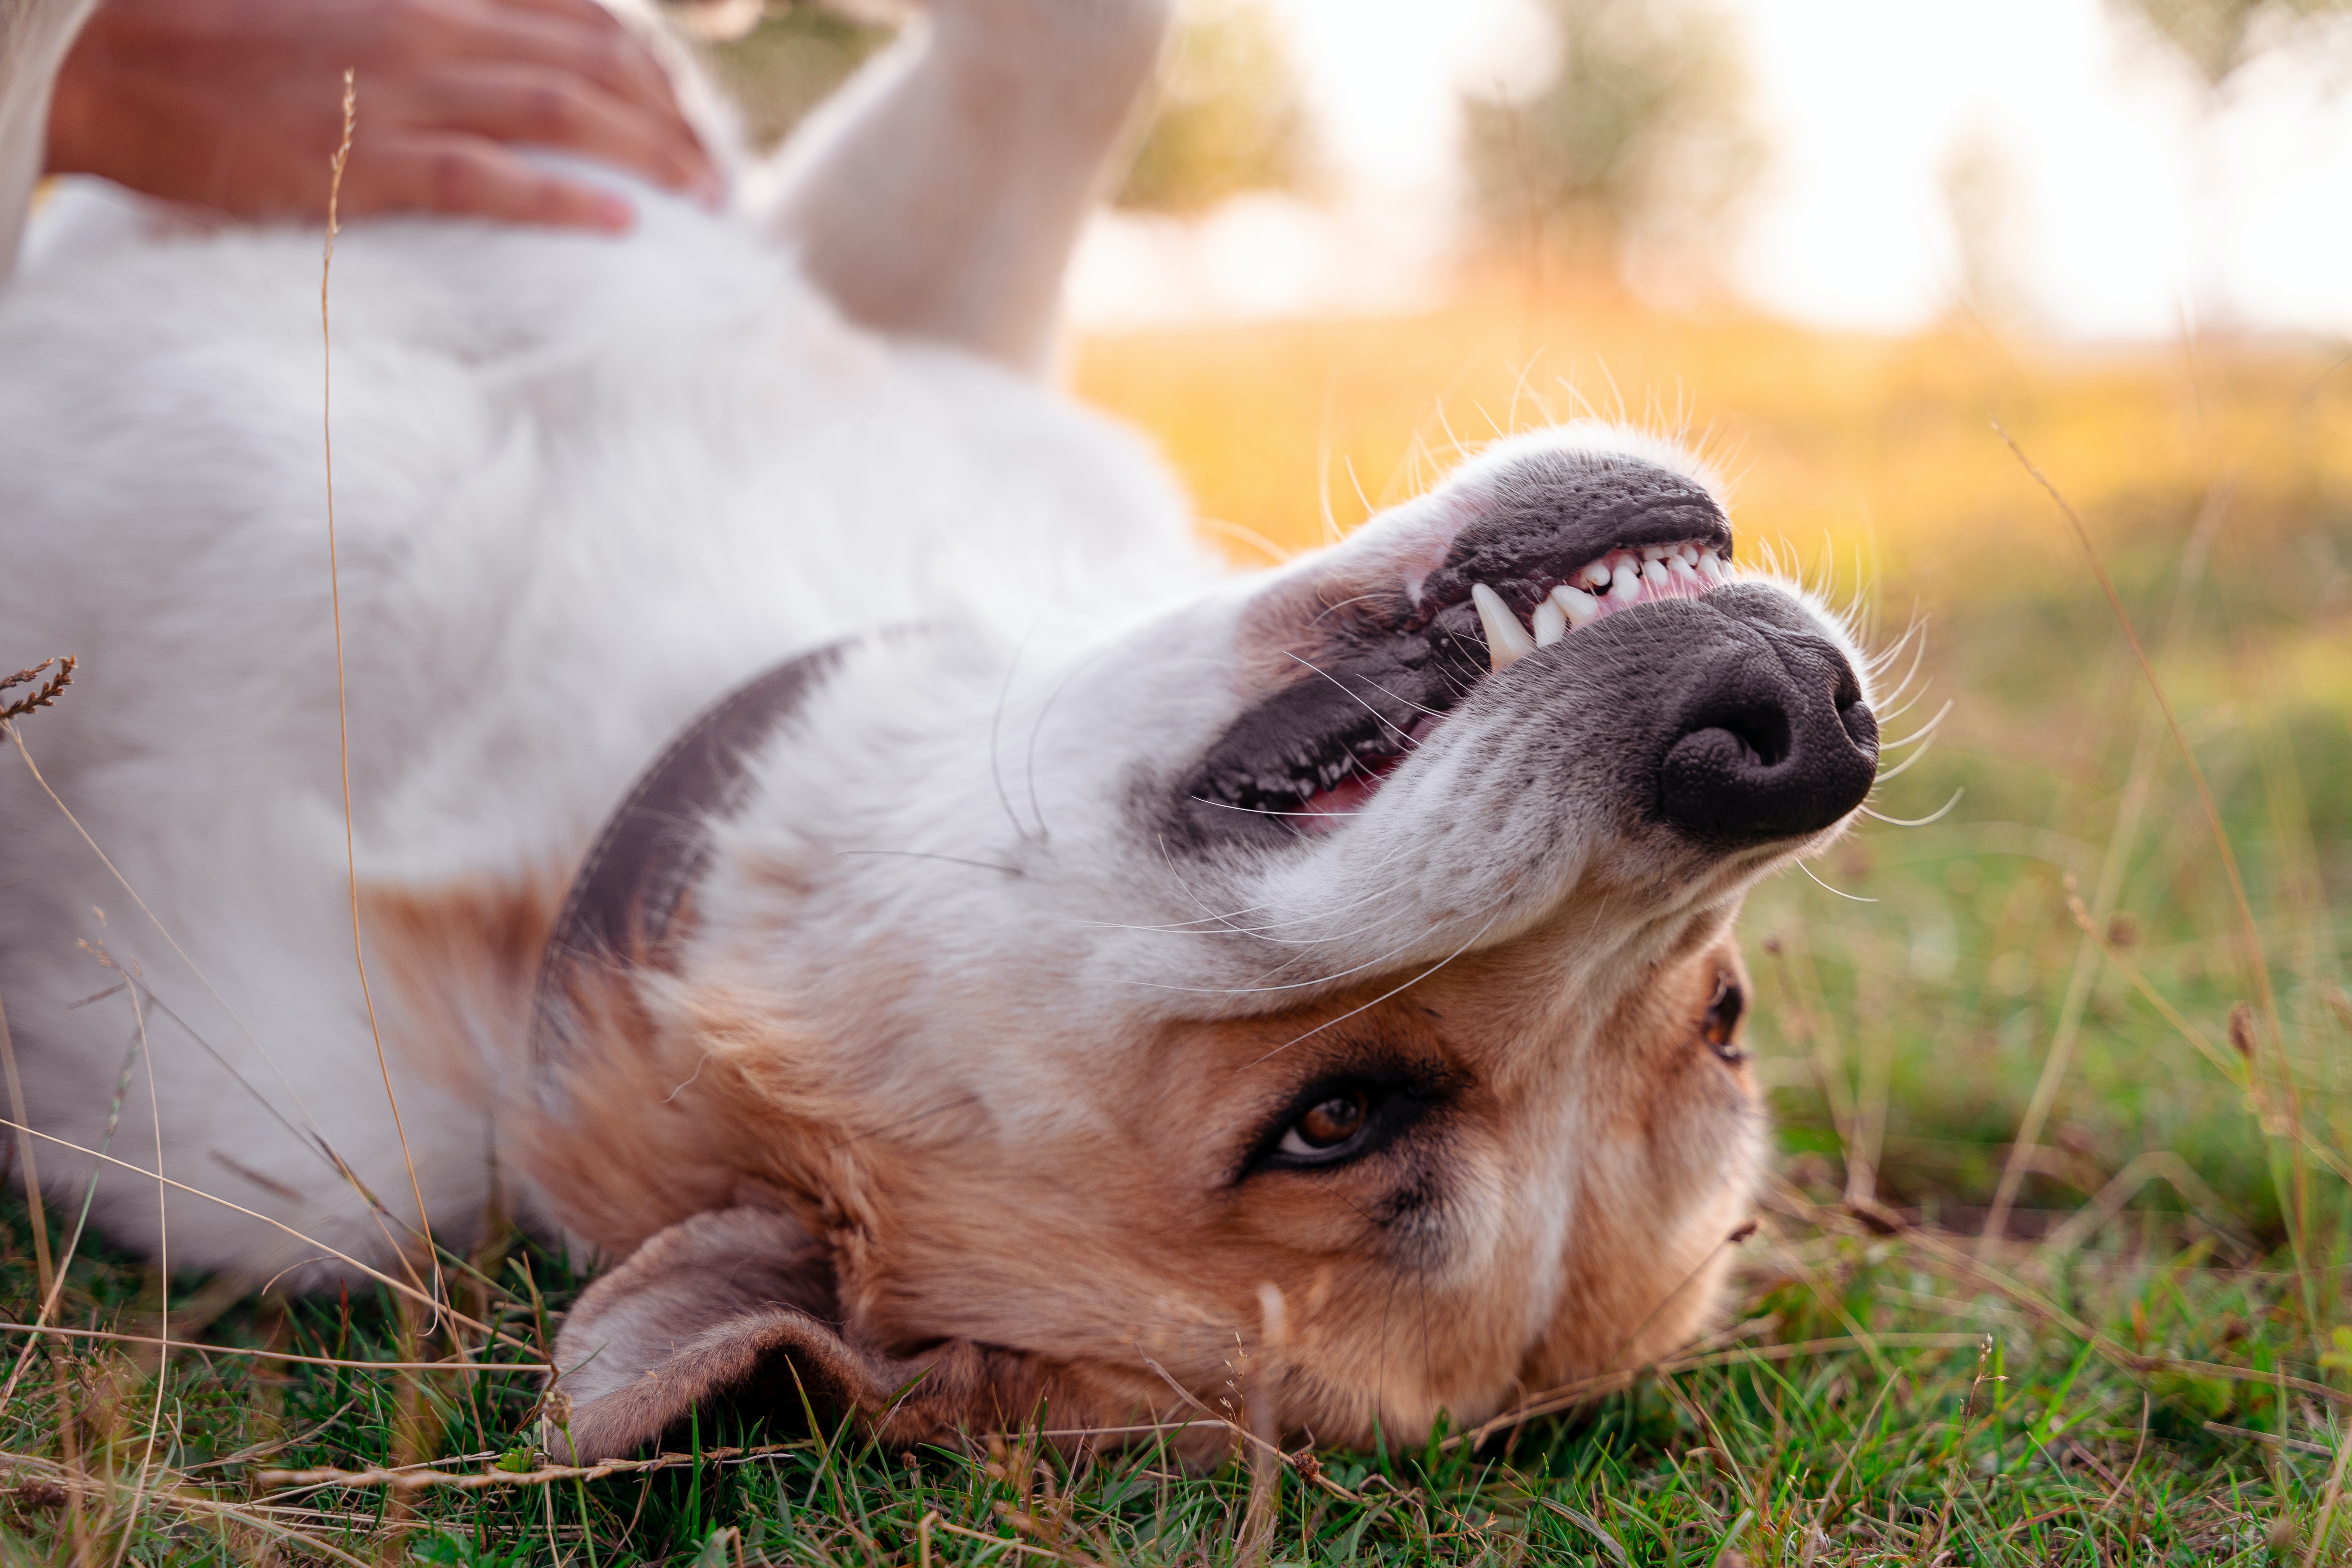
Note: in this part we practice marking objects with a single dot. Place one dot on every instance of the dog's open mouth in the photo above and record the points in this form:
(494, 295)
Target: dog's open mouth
(1526, 614)
(1315, 753)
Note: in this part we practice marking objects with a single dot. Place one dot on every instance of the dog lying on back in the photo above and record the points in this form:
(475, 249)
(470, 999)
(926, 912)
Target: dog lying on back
(829, 839)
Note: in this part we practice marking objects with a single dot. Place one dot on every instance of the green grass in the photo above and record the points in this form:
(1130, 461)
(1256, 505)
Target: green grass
(2019, 1442)
(2147, 1368)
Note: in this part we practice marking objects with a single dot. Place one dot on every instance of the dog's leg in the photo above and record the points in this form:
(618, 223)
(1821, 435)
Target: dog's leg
(940, 194)
(34, 36)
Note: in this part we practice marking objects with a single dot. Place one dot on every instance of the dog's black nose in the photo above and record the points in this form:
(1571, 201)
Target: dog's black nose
(1774, 741)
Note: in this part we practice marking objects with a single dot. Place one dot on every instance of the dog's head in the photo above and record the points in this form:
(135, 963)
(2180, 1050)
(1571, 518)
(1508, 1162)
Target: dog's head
(1320, 992)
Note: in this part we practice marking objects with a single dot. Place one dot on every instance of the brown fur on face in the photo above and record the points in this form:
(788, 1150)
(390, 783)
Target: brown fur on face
(1553, 1202)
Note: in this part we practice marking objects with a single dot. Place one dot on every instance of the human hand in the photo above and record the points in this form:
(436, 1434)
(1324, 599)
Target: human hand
(238, 105)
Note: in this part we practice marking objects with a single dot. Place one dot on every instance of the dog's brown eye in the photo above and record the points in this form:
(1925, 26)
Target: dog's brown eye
(1723, 1017)
(1327, 1126)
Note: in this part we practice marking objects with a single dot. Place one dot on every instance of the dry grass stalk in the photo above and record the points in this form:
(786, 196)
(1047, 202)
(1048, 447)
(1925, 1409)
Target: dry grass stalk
(2139, 780)
(427, 1477)
(400, 1288)
(2252, 952)
(44, 694)
(272, 1354)
(342, 709)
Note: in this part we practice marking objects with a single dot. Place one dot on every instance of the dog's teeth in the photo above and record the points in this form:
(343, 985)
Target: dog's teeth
(1680, 570)
(1711, 567)
(1656, 574)
(1551, 623)
(1507, 642)
(1625, 585)
(1689, 552)
(1580, 607)
(1595, 576)
(1653, 552)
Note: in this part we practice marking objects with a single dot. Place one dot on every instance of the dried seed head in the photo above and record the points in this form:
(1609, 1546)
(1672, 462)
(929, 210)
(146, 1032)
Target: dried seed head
(43, 695)
(2241, 1030)
(2122, 930)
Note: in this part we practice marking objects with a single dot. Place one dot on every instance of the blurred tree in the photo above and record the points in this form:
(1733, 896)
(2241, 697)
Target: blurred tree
(1640, 143)
(789, 59)
(1227, 116)
(1983, 196)
(2217, 36)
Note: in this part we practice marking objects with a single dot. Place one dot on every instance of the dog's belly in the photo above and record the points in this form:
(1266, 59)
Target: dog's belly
(581, 489)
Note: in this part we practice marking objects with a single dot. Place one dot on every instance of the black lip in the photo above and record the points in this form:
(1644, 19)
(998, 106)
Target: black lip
(1523, 563)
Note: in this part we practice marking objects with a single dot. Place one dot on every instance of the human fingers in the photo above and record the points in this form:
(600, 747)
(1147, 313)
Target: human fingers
(474, 177)
(574, 36)
(539, 107)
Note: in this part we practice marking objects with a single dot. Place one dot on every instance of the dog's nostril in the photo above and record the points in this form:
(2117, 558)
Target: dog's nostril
(1762, 735)
(1765, 757)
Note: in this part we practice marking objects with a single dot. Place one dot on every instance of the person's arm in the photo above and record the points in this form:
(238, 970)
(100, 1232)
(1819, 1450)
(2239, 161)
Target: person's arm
(238, 105)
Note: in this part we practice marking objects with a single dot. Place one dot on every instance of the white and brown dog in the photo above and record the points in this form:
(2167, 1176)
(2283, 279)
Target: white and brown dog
(1030, 959)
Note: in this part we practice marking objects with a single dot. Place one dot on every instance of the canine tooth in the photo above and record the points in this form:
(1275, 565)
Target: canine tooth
(1551, 623)
(1655, 575)
(1507, 642)
(1580, 607)
(1625, 587)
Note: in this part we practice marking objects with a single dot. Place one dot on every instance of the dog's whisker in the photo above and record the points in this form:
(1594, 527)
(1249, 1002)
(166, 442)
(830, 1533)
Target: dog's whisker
(1170, 861)
(1037, 728)
(1222, 926)
(1268, 810)
(1924, 731)
(1890, 715)
(1875, 664)
(1402, 735)
(1288, 985)
(1385, 995)
(1937, 815)
(1825, 887)
(1889, 776)
(950, 859)
(1337, 605)
(996, 724)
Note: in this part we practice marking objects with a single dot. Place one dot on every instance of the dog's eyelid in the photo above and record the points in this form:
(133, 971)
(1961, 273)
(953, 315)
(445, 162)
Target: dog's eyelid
(1394, 1096)
(1721, 1021)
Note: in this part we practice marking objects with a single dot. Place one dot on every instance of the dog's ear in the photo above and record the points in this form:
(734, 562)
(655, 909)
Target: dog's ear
(734, 1310)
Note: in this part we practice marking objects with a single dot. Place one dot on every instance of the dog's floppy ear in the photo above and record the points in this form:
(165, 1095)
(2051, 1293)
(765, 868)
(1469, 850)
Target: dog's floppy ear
(734, 1309)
